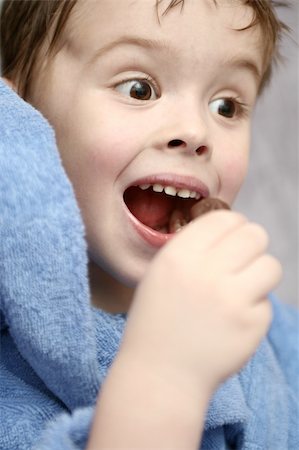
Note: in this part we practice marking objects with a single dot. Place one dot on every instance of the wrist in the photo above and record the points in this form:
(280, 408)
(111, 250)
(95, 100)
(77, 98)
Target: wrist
(171, 363)
(184, 384)
(146, 405)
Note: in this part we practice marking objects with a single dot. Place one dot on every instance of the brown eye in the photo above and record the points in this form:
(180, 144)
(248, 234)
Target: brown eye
(137, 89)
(141, 90)
(224, 107)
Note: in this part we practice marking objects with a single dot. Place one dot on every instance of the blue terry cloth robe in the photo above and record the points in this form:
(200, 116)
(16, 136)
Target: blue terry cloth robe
(56, 348)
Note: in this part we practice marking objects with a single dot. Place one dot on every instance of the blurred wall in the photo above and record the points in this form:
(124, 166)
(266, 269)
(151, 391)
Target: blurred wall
(270, 194)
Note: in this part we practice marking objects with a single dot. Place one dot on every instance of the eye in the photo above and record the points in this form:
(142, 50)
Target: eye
(138, 89)
(226, 107)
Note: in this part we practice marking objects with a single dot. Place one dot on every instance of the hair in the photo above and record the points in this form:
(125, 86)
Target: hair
(26, 24)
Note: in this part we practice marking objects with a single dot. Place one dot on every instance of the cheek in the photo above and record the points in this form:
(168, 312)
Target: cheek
(111, 144)
(238, 165)
(109, 153)
(233, 173)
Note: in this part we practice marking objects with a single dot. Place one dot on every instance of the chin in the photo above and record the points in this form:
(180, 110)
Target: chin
(130, 277)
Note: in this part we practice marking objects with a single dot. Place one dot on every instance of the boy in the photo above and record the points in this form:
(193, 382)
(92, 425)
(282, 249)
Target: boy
(151, 110)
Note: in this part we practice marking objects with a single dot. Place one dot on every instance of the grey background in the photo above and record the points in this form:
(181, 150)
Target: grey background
(270, 193)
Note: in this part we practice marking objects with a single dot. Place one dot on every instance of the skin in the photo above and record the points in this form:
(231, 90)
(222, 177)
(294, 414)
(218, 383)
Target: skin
(108, 140)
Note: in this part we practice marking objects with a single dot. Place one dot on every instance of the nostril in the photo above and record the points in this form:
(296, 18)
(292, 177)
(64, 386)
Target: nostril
(176, 143)
(180, 143)
(202, 149)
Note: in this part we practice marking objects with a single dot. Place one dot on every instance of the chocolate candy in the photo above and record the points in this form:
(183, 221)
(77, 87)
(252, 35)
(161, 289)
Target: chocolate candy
(205, 205)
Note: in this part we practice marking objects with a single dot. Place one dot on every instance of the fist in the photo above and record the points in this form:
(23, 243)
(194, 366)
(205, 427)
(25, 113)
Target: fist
(202, 309)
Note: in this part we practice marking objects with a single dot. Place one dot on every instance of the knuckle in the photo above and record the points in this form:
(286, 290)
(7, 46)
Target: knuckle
(275, 267)
(267, 313)
(263, 315)
(258, 233)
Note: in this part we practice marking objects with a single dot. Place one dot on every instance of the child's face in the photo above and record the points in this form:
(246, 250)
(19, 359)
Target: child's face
(137, 102)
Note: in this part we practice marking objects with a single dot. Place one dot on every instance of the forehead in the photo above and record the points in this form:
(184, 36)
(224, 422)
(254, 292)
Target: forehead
(193, 23)
(149, 14)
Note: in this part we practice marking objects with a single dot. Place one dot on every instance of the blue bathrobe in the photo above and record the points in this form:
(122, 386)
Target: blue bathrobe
(56, 348)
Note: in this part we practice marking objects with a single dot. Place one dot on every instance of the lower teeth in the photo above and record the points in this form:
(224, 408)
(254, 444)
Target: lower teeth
(161, 229)
(176, 221)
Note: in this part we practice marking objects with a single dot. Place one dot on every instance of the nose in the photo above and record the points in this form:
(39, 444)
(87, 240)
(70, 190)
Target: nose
(199, 150)
(185, 129)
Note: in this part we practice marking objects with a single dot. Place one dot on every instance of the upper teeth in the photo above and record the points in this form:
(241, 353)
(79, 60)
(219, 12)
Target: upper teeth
(171, 190)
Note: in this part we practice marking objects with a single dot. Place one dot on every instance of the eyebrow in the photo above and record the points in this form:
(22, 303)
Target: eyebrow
(151, 44)
(236, 62)
(244, 63)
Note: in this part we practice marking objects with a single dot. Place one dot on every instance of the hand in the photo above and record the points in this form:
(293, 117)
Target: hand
(201, 309)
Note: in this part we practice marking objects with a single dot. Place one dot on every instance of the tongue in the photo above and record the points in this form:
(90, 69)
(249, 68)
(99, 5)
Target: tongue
(150, 208)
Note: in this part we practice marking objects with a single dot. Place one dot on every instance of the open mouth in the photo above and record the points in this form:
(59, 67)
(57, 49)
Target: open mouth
(165, 209)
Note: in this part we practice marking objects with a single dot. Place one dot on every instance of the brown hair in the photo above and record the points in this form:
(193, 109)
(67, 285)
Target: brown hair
(26, 24)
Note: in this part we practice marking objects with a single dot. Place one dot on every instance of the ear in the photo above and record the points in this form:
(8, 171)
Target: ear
(9, 83)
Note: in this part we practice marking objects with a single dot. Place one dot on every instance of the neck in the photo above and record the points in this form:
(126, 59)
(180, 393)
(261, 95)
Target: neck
(107, 293)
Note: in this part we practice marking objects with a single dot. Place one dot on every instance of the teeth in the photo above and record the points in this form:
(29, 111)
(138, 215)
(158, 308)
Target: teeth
(184, 193)
(163, 229)
(171, 190)
(177, 221)
(158, 188)
(144, 186)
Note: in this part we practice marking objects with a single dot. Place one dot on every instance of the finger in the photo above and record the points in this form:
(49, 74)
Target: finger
(204, 232)
(240, 247)
(260, 277)
(262, 317)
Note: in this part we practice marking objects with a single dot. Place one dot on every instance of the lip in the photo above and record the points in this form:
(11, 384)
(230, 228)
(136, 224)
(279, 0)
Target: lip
(152, 237)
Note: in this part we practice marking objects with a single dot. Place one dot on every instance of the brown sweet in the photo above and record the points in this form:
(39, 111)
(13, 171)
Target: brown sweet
(207, 204)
